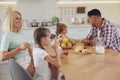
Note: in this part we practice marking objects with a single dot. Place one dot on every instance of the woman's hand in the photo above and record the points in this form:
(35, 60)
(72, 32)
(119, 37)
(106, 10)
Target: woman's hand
(24, 46)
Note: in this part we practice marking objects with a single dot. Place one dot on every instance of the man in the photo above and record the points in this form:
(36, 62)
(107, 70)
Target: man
(102, 28)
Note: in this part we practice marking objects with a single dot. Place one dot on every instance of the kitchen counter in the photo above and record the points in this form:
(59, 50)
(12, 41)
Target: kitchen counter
(92, 66)
(68, 25)
(54, 27)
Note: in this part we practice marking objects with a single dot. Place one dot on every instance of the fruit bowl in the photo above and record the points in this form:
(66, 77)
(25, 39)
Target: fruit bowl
(66, 43)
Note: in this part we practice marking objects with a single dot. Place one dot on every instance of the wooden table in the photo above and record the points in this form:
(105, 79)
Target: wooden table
(92, 66)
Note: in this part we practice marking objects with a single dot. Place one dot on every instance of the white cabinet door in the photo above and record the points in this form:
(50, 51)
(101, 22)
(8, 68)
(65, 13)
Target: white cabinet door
(73, 32)
(79, 32)
(29, 34)
(52, 30)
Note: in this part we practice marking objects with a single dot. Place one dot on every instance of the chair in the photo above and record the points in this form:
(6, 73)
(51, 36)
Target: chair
(56, 74)
(17, 72)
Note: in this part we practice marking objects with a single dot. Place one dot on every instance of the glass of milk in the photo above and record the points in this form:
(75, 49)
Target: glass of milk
(53, 43)
(99, 45)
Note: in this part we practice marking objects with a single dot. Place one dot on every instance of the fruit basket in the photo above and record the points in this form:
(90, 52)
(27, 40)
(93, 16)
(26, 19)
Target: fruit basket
(66, 43)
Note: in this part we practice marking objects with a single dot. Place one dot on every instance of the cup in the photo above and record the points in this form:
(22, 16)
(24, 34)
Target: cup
(99, 45)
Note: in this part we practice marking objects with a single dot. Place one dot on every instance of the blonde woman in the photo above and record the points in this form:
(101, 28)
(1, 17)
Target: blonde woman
(14, 43)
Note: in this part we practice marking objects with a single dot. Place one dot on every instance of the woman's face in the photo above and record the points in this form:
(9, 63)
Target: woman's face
(17, 21)
(47, 39)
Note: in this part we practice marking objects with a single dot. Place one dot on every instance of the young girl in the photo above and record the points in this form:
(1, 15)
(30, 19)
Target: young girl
(61, 31)
(40, 55)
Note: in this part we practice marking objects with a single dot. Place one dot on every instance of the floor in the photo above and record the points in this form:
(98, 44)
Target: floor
(4, 72)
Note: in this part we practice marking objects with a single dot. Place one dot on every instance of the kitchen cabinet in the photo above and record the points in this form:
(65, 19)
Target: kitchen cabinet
(73, 32)
(78, 32)
(5, 72)
(29, 32)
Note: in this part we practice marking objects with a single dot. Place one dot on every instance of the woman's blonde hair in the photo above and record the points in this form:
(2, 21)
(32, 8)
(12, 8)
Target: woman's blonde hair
(8, 22)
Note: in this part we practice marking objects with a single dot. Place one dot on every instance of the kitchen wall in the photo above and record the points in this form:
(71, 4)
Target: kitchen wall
(46, 9)
(37, 9)
(109, 11)
(33, 9)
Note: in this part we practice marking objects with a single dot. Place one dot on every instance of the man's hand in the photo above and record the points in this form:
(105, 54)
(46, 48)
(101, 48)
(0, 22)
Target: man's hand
(88, 42)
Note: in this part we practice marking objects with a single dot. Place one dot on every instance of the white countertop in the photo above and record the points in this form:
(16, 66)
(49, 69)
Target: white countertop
(54, 27)
(68, 25)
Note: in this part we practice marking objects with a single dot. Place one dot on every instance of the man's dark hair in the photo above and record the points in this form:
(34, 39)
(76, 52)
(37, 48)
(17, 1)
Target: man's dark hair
(94, 12)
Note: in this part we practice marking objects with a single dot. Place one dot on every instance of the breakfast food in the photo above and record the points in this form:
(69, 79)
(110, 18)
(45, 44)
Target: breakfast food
(79, 48)
(82, 50)
(86, 51)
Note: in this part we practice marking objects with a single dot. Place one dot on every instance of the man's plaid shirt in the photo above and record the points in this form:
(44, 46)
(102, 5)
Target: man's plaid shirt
(109, 33)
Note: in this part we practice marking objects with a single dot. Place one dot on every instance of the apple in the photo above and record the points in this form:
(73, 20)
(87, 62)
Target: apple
(63, 45)
(69, 44)
(64, 40)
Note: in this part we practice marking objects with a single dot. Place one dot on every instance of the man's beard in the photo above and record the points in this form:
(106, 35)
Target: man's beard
(93, 25)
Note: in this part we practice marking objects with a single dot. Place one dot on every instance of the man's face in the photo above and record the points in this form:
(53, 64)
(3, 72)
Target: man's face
(92, 20)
